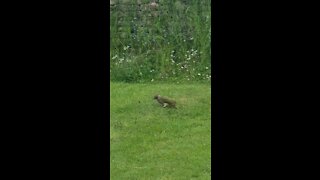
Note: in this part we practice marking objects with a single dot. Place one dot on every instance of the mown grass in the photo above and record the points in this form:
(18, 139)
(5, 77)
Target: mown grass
(151, 142)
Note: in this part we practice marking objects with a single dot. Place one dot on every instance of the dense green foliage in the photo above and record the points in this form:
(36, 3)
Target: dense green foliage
(148, 141)
(160, 41)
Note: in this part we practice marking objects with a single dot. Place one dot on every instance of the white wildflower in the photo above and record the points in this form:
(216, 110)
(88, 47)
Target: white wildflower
(126, 47)
(114, 56)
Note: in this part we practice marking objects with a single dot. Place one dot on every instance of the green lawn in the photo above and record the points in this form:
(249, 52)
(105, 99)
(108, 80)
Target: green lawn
(151, 142)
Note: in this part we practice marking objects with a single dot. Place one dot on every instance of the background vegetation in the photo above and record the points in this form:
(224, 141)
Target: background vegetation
(160, 40)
